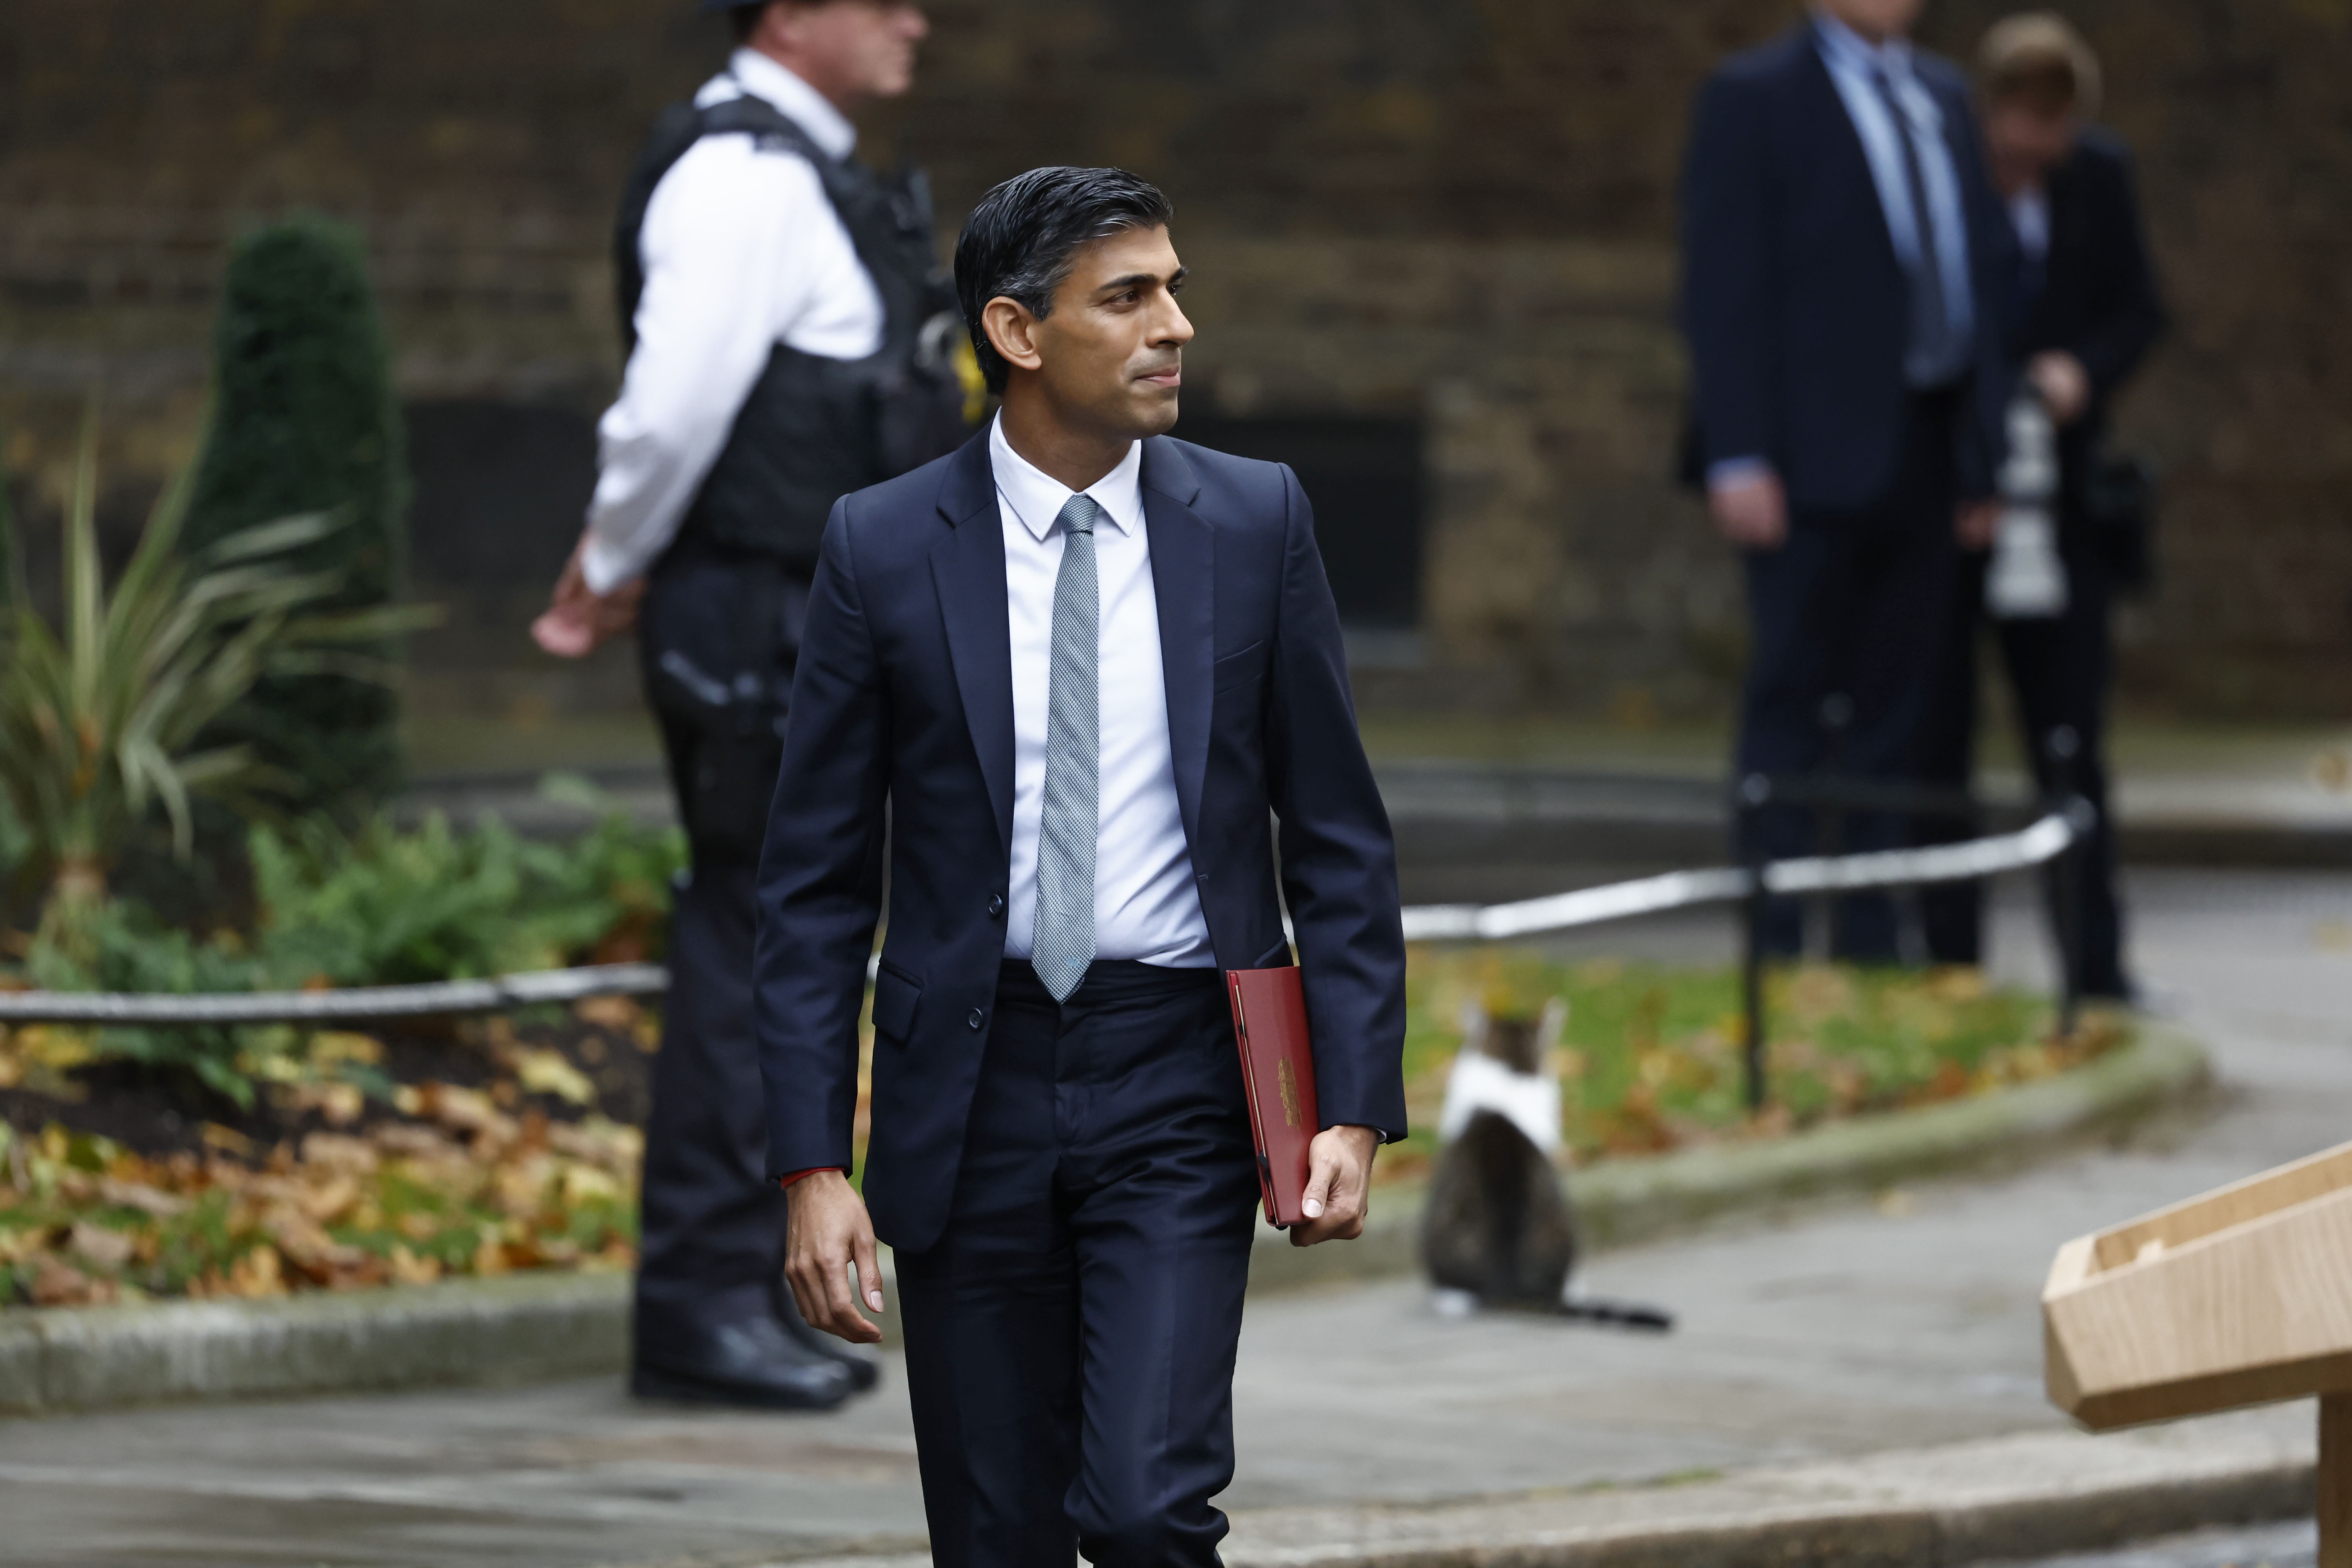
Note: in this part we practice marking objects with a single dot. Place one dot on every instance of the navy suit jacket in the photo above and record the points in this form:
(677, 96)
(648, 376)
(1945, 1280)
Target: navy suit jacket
(2098, 299)
(904, 695)
(1793, 301)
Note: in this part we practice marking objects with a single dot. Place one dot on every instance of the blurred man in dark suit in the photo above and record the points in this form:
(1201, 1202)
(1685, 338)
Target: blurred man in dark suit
(1840, 236)
(2086, 308)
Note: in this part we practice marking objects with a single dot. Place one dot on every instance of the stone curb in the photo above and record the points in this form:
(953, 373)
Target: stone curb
(517, 1328)
(2030, 1495)
(535, 1327)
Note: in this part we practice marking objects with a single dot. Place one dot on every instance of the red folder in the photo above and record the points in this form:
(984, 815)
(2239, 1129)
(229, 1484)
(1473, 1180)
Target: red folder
(1278, 1080)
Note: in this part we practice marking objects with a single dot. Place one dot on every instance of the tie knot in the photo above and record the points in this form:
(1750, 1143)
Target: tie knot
(1079, 514)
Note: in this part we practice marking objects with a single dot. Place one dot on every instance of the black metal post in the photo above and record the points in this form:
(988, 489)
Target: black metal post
(1755, 792)
(2062, 746)
(1829, 818)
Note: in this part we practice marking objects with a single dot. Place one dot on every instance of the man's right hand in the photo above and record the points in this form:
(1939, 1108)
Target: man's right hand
(829, 1231)
(1750, 509)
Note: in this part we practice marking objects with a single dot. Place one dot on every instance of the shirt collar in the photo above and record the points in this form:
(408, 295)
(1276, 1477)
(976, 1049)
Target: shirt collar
(763, 77)
(1847, 47)
(1037, 498)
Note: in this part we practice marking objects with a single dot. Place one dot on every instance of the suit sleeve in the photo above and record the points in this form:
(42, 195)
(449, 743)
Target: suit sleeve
(1725, 247)
(820, 891)
(1338, 860)
(2116, 338)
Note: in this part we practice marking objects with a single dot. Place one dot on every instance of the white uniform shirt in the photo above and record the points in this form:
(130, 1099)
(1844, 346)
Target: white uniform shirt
(742, 251)
(1147, 905)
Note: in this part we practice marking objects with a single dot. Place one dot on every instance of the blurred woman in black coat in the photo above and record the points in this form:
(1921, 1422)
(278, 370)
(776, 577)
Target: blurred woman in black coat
(2084, 311)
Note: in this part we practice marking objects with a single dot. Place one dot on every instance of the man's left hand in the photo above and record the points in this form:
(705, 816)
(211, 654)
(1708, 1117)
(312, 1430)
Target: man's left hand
(1339, 1185)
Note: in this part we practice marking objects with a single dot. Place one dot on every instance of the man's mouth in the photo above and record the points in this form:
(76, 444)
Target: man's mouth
(1170, 376)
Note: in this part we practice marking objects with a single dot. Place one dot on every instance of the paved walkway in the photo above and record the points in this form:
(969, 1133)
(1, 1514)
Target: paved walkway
(1854, 1329)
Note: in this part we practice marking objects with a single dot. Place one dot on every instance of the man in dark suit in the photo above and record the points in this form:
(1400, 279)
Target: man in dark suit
(2088, 312)
(1838, 237)
(1084, 667)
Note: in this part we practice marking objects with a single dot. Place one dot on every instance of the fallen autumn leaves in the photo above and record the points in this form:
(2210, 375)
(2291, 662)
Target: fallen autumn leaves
(461, 1186)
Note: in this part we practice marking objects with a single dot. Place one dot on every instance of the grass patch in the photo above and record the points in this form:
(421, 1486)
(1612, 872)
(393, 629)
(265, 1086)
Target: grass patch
(1651, 1056)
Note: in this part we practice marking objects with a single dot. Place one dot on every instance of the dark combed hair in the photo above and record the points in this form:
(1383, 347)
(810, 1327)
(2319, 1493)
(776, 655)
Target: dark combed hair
(1024, 237)
(745, 20)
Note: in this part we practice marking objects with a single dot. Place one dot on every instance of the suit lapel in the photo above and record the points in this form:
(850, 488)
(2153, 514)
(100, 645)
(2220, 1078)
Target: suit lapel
(1841, 134)
(968, 568)
(1183, 584)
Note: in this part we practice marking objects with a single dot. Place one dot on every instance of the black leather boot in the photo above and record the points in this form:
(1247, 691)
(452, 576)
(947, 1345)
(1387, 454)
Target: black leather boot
(754, 1362)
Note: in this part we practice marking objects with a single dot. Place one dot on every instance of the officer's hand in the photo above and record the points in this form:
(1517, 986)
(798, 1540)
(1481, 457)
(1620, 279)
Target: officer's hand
(577, 618)
(829, 1231)
(2065, 384)
(1750, 510)
(1974, 522)
(1339, 1185)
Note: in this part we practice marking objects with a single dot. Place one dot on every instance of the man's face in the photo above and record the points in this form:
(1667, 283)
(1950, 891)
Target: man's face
(1111, 355)
(1877, 20)
(851, 49)
(2025, 141)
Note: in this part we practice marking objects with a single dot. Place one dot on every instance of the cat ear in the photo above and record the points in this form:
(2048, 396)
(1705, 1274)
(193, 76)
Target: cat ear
(1551, 1026)
(1474, 1026)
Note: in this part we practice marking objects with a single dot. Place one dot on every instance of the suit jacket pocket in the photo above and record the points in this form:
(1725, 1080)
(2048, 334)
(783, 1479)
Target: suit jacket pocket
(1245, 667)
(894, 999)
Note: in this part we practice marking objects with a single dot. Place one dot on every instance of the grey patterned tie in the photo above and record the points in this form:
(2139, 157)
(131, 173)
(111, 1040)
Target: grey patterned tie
(1069, 819)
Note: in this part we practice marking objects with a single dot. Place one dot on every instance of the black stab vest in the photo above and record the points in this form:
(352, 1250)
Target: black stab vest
(813, 428)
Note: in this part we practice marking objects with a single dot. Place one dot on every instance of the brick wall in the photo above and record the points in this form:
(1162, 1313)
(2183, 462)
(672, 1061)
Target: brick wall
(1458, 209)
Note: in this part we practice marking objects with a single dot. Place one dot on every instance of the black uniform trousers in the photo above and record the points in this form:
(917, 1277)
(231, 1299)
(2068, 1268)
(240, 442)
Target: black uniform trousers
(1853, 606)
(2059, 671)
(711, 1243)
(1070, 1338)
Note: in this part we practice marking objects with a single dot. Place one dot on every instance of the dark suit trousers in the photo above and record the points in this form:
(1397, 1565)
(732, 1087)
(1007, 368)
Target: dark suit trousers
(1070, 1339)
(712, 1231)
(1855, 605)
(2059, 670)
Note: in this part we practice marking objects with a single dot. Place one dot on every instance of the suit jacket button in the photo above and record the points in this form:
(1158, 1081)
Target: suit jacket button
(995, 906)
(975, 1020)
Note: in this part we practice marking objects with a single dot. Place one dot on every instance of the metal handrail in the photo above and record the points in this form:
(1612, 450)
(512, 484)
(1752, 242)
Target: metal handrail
(2036, 845)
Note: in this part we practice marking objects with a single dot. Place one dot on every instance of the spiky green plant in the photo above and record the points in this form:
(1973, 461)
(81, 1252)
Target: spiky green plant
(99, 719)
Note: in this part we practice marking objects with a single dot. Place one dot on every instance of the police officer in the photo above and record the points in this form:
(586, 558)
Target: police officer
(792, 337)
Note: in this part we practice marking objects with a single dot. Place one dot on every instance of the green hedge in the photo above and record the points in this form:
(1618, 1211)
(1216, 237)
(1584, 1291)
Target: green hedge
(304, 420)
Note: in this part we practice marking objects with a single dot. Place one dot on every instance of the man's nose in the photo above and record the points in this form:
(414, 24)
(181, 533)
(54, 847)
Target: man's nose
(1176, 329)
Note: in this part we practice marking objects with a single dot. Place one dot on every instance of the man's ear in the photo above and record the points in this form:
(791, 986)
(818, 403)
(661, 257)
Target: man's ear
(1013, 331)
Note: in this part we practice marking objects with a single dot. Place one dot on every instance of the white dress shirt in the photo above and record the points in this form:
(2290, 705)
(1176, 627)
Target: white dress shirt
(742, 251)
(1147, 906)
